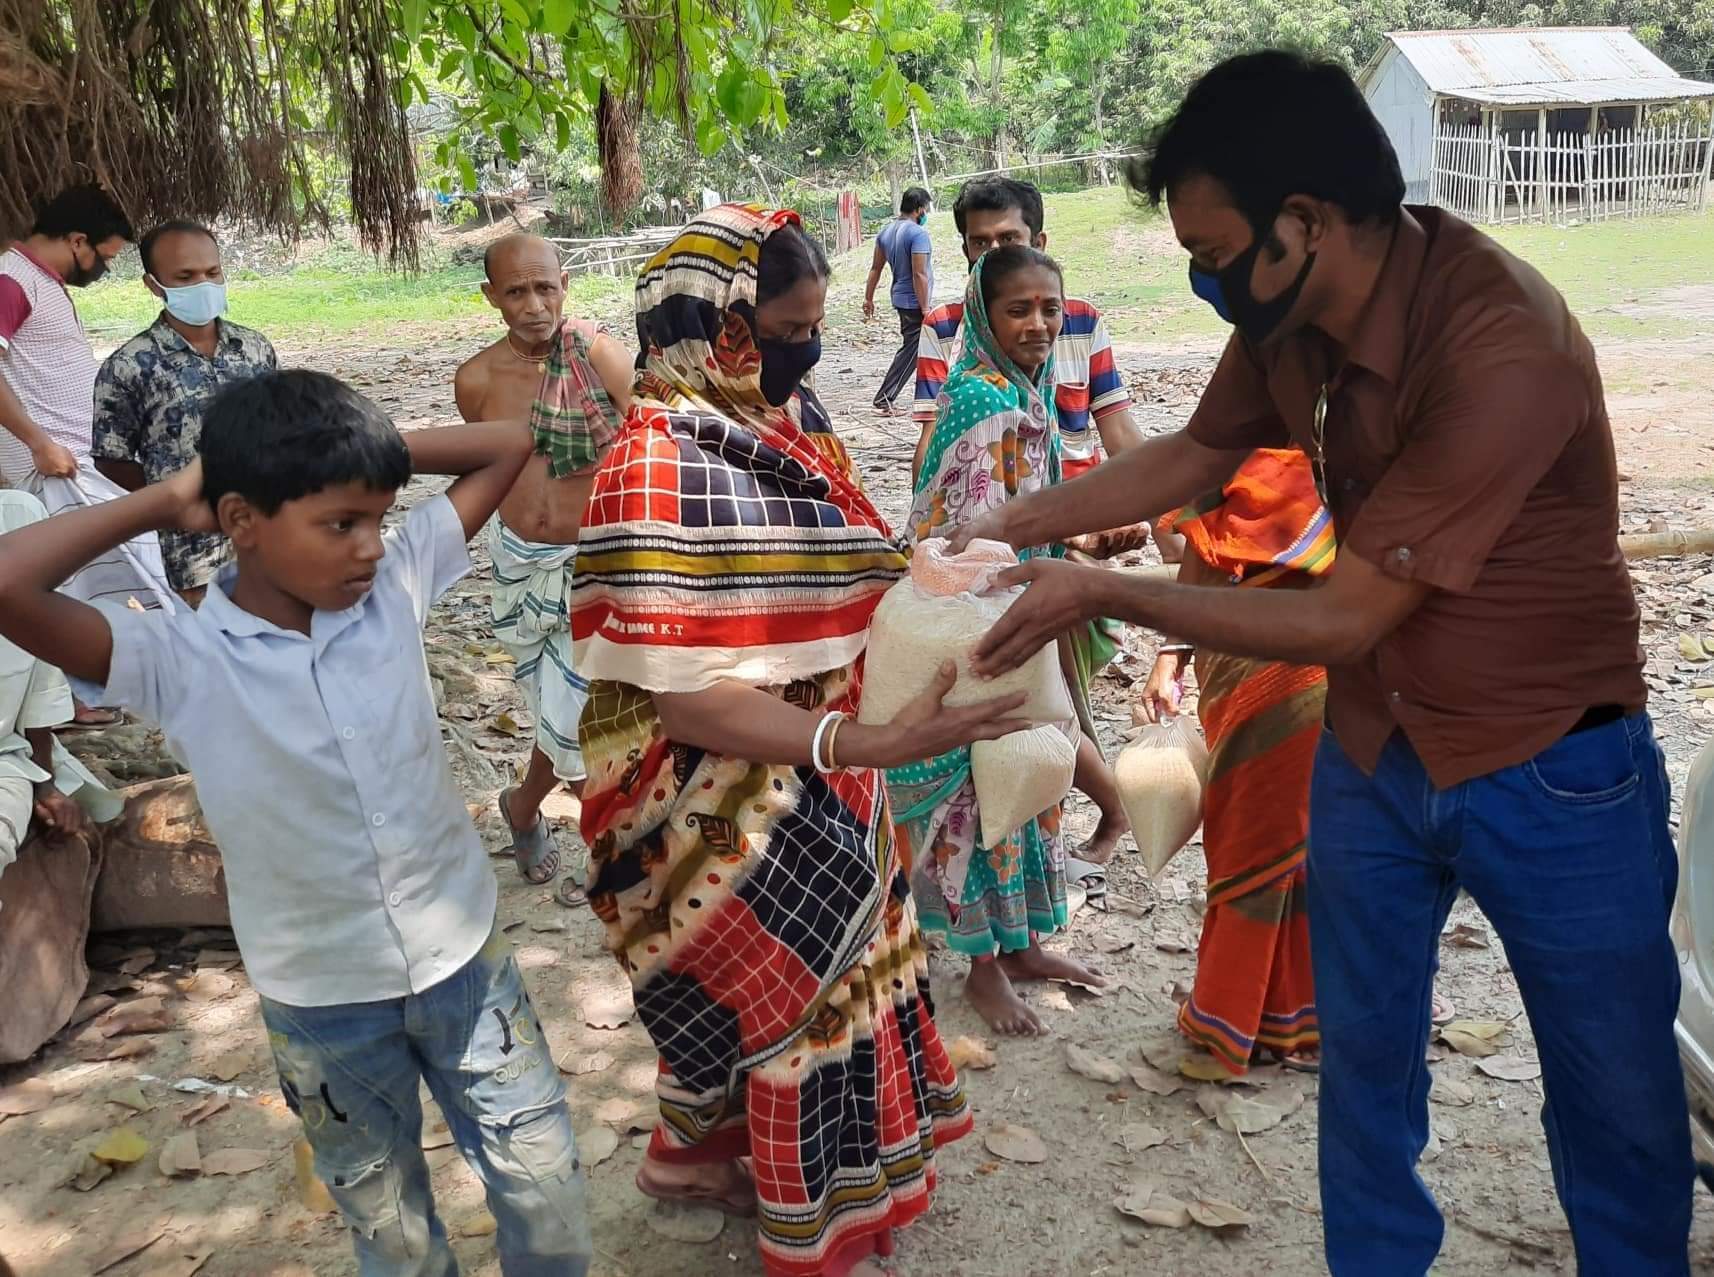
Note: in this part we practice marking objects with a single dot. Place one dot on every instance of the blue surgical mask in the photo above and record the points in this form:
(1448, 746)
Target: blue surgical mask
(196, 304)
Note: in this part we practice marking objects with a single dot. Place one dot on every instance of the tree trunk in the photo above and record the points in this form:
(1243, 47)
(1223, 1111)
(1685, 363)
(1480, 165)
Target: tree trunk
(161, 867)
(1098, 90)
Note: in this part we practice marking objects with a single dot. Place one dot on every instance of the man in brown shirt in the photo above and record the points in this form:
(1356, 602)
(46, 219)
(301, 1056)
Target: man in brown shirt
(1485, 691)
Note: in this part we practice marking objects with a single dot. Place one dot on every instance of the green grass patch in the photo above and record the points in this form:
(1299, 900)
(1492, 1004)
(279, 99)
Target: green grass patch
(339, 293)
(1119, 255)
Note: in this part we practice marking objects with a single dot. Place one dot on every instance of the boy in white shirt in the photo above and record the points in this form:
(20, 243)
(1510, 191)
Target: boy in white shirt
(298, 696)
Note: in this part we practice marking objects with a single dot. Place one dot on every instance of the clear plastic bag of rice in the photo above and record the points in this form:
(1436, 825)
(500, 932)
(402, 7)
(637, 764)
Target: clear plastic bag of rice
(940, 612)
(1161, 774)
(1019, 776)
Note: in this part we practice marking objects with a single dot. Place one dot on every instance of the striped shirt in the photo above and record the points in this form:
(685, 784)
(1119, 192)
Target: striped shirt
(46, 359)
(1087, 385)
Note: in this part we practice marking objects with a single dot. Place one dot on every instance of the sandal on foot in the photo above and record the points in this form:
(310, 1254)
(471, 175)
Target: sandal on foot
(736, 1202)
(1442, 1010)
(1090, 876)
(533, 851)
(570, 893)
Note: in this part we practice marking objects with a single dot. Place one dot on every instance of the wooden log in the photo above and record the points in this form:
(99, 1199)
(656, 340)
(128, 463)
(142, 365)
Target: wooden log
(1661, 545)
(44, 926)
(161, 867)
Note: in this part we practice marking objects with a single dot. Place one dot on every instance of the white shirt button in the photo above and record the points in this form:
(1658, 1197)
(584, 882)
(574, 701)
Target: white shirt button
(1394, 697)
(377, 820)
(394, 899)
(1402, 554)
(350, 733)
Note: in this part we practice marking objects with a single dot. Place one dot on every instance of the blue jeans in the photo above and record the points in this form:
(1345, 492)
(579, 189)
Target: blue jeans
(352, 1073)
(1570, 857)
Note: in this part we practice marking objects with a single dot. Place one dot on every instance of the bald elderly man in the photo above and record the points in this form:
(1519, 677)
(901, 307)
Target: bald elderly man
(572, 381)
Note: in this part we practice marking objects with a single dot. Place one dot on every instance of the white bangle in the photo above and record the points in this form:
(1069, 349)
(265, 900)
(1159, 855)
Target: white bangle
(821, 729)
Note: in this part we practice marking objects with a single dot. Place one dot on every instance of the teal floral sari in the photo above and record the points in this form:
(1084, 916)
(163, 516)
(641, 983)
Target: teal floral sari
(996, 436)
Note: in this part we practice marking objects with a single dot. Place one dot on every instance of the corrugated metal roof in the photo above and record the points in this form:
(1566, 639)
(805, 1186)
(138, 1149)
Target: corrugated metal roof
(1529, 66)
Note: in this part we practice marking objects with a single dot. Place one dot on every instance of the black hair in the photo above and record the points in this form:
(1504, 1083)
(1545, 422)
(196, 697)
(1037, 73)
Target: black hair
(85, 210)
(1271, 125)
(178, 226)
(282, 436)
(915, 200)
(1007, 260)
(998, 195)
(788, 256)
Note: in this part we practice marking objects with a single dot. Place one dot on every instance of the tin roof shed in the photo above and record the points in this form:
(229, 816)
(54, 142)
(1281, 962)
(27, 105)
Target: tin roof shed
(1541, 66)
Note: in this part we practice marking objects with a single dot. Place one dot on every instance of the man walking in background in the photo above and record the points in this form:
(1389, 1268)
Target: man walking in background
(905, 247)
(151, 392)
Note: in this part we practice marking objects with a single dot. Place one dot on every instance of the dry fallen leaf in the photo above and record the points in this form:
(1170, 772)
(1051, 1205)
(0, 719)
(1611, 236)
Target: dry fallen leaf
(181, 1156)
(1510, 1068)
(1138, 1136)
(971, 1053)
(1154, 1081)
(312, 1193)
(506, 725)
(1450, 1091)
(1253, 1114)
(87, 1172)
(1467, 936)
(235, 1161)
(88, 1008)
(125, 1246)
(576, 1064)
(130, 1096)
(616, 1109)
(140, 1015)
(138, 962)
(481, 1224)
(229, 1066)
(1475, 1038)
(1173, 942)
(1015, 1143)
(596, 1145)
(1145, 1201)
(1097, 1068)
(31, 1096)
(1213, 1213)
(1163, 1051)
(129, 1049)
(209, 985)
(1690, 648)
(121, 1147)
(204, 1109)
(437, 1136)
(1203, 1068)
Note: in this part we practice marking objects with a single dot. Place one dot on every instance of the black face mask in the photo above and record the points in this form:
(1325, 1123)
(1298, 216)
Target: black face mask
(785, 364)
(83, 276)
(1228, 291)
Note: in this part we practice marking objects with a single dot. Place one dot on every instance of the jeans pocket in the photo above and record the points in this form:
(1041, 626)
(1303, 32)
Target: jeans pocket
(1587, 769)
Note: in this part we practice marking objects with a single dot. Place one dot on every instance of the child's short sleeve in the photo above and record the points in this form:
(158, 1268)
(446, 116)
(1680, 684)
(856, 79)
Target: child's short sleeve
(428, 553)
(145, 673)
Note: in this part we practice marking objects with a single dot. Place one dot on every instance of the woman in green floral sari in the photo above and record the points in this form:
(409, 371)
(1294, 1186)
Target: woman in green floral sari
(996, 437)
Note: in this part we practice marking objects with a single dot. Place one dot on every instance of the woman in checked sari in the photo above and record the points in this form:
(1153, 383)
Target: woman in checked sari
(1254, 990)
(742, 856)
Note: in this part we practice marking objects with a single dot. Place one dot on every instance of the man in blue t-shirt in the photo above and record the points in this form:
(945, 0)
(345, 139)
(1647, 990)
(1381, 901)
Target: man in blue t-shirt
(904, 245)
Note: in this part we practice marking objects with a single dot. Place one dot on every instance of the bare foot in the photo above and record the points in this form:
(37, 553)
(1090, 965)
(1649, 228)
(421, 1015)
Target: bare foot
(1100, 848)
(1036, 963)
(722, 1185)
(997, 1002)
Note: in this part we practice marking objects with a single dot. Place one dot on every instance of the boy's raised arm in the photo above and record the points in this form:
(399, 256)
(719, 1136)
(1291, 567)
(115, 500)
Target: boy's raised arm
(487, 456)
(36, 560)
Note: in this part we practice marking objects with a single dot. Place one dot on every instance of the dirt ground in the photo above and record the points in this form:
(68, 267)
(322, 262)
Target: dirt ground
(992, 1216)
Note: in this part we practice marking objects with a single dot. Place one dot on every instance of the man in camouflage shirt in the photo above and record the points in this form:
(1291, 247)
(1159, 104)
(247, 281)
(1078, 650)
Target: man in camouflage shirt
(150, 393)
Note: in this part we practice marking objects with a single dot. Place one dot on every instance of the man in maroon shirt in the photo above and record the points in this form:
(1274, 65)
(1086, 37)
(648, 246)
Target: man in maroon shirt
(1486, 712)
